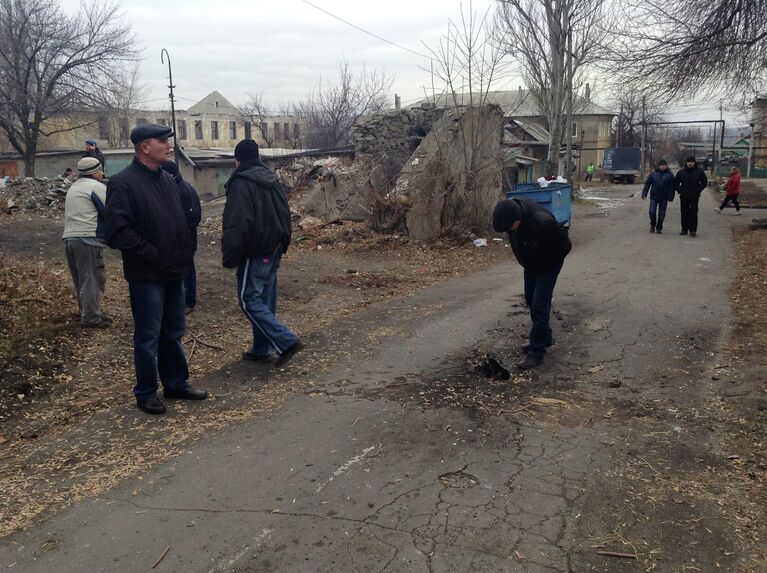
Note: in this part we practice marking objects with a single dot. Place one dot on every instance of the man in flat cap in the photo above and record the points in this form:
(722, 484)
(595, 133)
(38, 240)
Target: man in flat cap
(92, 150)
(84, 244)
(540, 245)
(145, 220)
(256, 233)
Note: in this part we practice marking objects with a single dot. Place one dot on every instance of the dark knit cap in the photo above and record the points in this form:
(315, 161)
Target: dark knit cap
(691, 158)
(662, 162)
(504, 215)
(246, 150)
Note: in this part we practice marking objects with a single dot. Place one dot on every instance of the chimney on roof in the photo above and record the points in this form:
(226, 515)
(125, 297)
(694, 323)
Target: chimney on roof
(588, 94)
(397, 102)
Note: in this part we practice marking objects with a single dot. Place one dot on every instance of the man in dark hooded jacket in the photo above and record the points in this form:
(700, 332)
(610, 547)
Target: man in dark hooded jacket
(540, 245)
(660, 185)
(190, 201)
(256, 233)
(690, 182)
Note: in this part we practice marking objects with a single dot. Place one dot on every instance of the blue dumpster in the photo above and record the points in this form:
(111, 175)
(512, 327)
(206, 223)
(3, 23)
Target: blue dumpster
(555, 197)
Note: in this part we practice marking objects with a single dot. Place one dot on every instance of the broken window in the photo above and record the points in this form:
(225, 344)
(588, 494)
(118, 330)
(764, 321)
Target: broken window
(265, 129)
(574, 130)
(246, 125)
(162, 121)
(214, 129)
(181, 129)
(141, 121)
(232, 130)
(124, 128)
(296, 132)
(198, 129)
(276, 130)
(286, 130)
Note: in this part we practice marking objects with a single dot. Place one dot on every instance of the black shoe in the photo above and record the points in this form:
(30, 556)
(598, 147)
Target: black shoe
(151, 405)
(652, 229)
(659, 231)
(288, 354)
(693, 234)
(529, 361)
(100, 324)
(526, 346)
(257, 358)
(188, 393)
(683, 233)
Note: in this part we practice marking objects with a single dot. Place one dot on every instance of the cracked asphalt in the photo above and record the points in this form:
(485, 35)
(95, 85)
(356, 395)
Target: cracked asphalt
(365, 470)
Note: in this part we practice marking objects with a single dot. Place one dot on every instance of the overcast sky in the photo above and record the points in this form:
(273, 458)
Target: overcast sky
(281, 48)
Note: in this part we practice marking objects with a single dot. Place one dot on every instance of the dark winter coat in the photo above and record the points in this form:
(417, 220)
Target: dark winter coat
(540, 243)
(192, 209)
(145, 220)
(690, 182)
(256, 218)
(98, 155)
(660, 184)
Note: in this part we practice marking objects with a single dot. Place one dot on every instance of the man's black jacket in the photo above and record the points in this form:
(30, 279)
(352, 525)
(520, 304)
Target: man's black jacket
(690, 182)
(145, 220)
(540, 243)
(256, 215)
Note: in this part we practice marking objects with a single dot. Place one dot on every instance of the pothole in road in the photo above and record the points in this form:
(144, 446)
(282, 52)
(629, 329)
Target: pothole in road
(458, 480)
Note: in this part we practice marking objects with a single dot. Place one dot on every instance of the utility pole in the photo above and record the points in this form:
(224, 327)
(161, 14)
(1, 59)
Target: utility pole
(644, 136)
(164, 54)
(569, 87)
(619, 134)
(718, 153)
(750, 151)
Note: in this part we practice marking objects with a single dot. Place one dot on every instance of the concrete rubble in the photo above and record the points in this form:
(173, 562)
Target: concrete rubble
(31, 193)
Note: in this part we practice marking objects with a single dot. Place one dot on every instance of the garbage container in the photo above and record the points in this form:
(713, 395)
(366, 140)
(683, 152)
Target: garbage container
(555, 197)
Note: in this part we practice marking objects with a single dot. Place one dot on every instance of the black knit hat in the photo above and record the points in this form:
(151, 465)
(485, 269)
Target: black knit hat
(504, 215)
(662, 162)
(246, 150)
(691, 158)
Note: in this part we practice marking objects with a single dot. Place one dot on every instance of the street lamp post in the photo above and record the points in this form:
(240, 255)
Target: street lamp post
(164, 54)
(750, 151)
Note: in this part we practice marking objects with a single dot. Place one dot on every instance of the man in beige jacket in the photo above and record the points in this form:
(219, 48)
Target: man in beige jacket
(84, 243)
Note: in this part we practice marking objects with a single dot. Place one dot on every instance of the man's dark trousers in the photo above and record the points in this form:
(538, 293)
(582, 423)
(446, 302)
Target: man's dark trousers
(659, 207)
(539, 289)
(689, 210)
(158, 317)
(190, 287)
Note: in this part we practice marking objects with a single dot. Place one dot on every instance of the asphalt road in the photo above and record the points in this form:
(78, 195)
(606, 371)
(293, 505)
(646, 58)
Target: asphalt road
(368, 470)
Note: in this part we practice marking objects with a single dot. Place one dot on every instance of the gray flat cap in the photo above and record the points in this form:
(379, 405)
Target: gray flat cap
(150, 131)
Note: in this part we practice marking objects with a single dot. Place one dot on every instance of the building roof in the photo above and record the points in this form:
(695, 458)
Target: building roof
(214, 103)
(525, 132)
(514, 103)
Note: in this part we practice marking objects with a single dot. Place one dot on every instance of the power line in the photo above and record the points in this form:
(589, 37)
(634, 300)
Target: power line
(376, 36)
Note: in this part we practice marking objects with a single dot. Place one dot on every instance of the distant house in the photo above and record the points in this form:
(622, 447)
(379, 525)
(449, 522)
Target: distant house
(591, 128)
(213, 122)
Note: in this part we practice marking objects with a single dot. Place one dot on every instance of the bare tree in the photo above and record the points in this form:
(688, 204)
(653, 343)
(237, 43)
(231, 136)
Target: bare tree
(115, 103)
(332, 109)
(554, 41)
(256, 112)
(684, 47)
(49, 63)
(635, 108)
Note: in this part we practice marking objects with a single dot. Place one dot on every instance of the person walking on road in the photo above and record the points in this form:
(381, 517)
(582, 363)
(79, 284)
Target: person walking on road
(193, 212)
(84, 244)
(660, 185)
(540, 245)
(256, 233)
(732, 192)
(145, 220)
(590, 171)
(690, 182)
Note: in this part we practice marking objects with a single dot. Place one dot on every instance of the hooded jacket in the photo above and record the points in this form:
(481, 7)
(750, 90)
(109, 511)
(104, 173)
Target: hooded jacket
(256, 219)
(733, 184)
(539, 243)
(660, 184)
(145, 220)
(690, 182)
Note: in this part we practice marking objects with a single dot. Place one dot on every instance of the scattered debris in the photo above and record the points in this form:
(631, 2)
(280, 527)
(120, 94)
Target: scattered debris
(480, 242)
(618, 554)
(164, 553)
(32, 193)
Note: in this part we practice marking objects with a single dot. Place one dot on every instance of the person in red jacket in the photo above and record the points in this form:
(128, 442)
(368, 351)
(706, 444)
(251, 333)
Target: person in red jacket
(733, 190)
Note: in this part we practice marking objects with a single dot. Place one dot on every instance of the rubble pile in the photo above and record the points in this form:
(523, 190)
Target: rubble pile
(32, 193)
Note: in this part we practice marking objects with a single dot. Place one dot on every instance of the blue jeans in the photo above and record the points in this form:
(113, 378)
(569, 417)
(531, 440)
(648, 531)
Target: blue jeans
(660, 207)
(158, 327)
(257, 296)
(190, 287)
(539, 289)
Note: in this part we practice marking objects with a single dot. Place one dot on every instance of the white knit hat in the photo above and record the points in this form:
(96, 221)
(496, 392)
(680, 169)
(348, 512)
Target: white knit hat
(89, 165)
